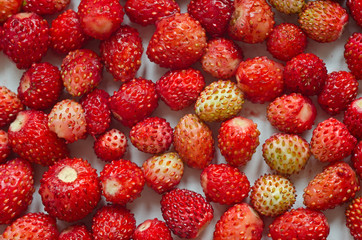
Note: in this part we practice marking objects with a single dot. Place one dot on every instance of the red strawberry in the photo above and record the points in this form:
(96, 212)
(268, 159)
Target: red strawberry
(75, 232)
(293, 113)
(224, 184)
(163, 172)
(354, 218)
(134, 101)
(45, 7)
(286, 41)
(306, 74)
(238, 139)
(355, 7)
(240, 221)
(152, 230)
(331, 141)
(352, 53)
(42, 145)
(121, 53)
(97, 111)
(40, 86)
(122, 181)
(300, 223)
(323, 20)
(288, 6)
(180, 88)
(153, 135)
(251, 21)
(272, 195)
(149, 12)
(113, 222)
(5, 148)
(70, 189)
(9, 8)
(186, 212)
(214, 15)
(81, 71)
(261, 79)
(193, 141)
(10, 105)
(335, 185)
(16, 189)
(32, 226)
(66, 33)
(221, 58)
(356, 159)
(100, 18)
(111, 145)
(67, 120)
(353, 118)
(25, 39)
(178, 42)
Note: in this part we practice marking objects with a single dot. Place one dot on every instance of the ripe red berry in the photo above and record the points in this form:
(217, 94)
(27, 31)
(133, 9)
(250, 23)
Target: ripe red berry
(75, 232)
(5, 148)
(10, 106)
(353, 118)
(45, 7)
(356, 159)
(111, 145)
(152, 230)
(352, 53)
(354, 218)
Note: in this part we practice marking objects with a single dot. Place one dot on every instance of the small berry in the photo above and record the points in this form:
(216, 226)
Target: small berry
(354, 218)
(75, 232)
(5, 148)
(152, 230)
(10, 106)
(352, 53)
(111, 145)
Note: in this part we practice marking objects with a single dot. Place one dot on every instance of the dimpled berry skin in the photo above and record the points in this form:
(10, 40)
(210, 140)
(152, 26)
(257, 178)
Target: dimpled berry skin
(353, 118)
(352, 54)
(355, 6)
(111, 145)
(356, 159)
(354, 218)
(288, 6)
(75, 232)
(152, 229)
(10, 106)
(5, 148)
(45, 7)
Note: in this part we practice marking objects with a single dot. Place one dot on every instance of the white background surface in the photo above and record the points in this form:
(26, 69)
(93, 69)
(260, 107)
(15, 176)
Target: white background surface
(147, 206)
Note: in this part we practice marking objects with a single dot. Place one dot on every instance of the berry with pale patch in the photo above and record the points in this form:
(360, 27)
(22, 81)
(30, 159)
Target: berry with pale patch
(111, 145)
(75, 232)
(9, 8)
(70, 189)
(272, 195)
(5, 148)
(331, 141)
(240, 221)
(238, 139)
(122, 181)
(186, 212)
(152, 229)
(352, 54)
(353, 118)
(193, 141)
(354, 218)
(335, 185)
(45, 7)
(10, 106)
(288, 6)
(163, 172)
(356, 159)
(355, 7)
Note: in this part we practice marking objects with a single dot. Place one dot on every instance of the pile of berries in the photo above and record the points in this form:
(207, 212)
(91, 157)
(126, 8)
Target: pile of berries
(124, 109)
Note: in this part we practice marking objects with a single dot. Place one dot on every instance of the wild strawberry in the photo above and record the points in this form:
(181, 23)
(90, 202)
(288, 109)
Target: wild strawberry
(219, 101)
(240, 221)
(100, 18)
(149, 12)
(353, 118)
(286, 41)
(153, 135)
(293, 113)
(122, 181)
(32, 226)
(300, 223)
(356, 159)
(323, 20)
(122, 52)
(10, 105)
(355, 7)
(163, 172)
(354, 218)
(9, 8)
(335, 185)
(111, 145)
(113, 222)
(331, 141)
(16, 189)
(45, 7)
(152, 230)
(42, 145)
(70, 189)
(66, 34)
(238, 139)
(67, 120)
(224, 184)
(5, 148)
(193, 141)
(178, 42)
(288, 6)
(286, 153)
(261, 79)
(251, 21)
(272, 195)
(75, 232)
(221, 58)
(186, 212)
(97, 111)
(352, 53)
(81, 71)
(25, 39)
(214, 15)
(134, 101)
(40, 86)
(306, 74)
(180, 88)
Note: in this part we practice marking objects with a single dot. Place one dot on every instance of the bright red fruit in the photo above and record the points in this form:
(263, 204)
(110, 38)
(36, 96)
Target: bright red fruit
(354, 218)
(152, 230)
(355, 6)
(353, 118)
(10, 106)
(356, 159)
(111, 145)
(45, 7)
(75, 232)
(9, 8)
(5, 148)
(352, 54)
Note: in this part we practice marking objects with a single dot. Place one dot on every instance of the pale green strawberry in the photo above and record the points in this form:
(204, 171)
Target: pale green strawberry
(288, 6)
